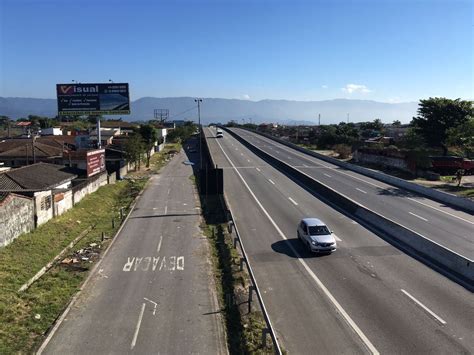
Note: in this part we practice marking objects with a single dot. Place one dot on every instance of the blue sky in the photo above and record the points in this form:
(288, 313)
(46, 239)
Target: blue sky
(383, 50)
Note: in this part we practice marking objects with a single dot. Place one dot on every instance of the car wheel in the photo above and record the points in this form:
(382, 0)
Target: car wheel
(309, 247)
(298, 235)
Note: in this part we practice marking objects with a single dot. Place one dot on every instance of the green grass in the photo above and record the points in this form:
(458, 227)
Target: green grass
(244, 330)
(20, 331)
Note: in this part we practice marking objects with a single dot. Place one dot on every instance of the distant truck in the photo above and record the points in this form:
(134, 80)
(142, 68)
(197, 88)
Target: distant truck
(448, 165)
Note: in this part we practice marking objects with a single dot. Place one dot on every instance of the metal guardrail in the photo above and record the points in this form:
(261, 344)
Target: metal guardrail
(254, 287)
(269, 330)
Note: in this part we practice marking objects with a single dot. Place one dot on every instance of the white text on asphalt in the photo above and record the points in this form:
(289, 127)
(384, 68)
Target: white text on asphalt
(157, 263)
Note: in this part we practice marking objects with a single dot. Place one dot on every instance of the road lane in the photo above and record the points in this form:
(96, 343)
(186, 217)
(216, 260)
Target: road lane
(365, 274)
(154, 291)
(448, 227)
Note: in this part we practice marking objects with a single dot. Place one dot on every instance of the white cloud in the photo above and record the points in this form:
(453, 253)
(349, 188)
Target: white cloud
(324, 86)
(245, 97)
(356, 88)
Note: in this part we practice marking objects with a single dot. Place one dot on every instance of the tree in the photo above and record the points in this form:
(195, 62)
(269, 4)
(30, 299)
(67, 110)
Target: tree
(437, 115)
(412, 140)
(134, 149)
(462, 137)
(396, 123)
(149, 137)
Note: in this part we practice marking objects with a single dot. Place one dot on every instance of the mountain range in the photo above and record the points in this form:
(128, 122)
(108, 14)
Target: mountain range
(224, 110)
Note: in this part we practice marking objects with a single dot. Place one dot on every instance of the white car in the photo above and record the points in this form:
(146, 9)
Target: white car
(316, 236)
(219, 134)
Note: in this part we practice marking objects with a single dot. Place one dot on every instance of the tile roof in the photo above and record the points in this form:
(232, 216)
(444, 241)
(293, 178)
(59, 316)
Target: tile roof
(40, 176)
(24, 149)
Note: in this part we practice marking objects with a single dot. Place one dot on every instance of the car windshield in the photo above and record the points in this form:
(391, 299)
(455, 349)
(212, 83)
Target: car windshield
(318, 230)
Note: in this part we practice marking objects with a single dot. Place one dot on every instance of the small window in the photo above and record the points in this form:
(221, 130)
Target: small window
(46, 203)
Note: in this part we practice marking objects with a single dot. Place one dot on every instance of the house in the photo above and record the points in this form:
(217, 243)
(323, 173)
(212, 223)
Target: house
(24, 151)
(90, 161)
(52, 131)
(47, 184)
(106, 135)
(126, 128)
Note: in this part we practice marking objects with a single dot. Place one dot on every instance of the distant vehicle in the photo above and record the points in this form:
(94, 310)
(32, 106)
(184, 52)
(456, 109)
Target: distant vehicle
(219, 133)
(316, 236)
(448, 165)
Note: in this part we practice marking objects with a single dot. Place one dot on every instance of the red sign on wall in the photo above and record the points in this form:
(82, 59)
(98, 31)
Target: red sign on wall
(95, 162)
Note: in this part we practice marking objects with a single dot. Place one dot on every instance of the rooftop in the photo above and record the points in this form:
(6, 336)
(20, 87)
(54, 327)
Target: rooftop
(36, 177)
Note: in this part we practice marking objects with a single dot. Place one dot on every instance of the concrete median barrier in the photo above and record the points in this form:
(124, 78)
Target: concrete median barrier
(453, 265)
(450, 200)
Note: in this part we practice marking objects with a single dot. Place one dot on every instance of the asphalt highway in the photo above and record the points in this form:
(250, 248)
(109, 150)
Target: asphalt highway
(367, 297)
(154, 292)
(447, 226)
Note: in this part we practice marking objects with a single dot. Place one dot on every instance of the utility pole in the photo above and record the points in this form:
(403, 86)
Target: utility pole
(200, 131)
(319, 119)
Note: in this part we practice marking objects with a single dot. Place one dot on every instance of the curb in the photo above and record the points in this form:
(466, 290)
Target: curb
(61, 318)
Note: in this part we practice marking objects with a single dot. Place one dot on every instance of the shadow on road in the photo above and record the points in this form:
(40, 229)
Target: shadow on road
(294, 248)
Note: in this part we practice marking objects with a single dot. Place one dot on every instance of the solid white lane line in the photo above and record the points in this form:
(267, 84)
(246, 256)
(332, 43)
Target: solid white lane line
(248, 160)
(337, 238)
(257, 169)
(327, 175)
(166, 209)
(241, 153)
(293, 201)
(439, 210)
(433, 314)
(159, 244)
(424, 219)
(169, 191)
(305, 165)
(364, 192)
(137, 329)
(271, 181)
(318, 282)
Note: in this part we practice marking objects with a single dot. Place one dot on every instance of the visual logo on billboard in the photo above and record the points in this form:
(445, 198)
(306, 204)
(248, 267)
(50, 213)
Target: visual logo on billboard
(76, 89)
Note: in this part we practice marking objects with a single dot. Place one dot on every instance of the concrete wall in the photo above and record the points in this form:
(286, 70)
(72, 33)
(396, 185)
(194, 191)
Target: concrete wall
(87, 188)
(44, 206)
(16, 217)
(62, 202)
(112, 178)
(381, 160)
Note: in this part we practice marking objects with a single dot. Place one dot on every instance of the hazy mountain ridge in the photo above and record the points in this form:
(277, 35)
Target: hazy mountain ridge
(223, 110)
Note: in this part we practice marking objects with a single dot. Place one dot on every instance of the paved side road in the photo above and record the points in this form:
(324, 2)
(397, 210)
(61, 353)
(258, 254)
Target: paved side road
(154, 291)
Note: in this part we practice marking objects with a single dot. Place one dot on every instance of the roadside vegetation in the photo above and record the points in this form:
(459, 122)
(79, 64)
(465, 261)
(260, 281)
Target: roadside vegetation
(244, 330)
(25, 317)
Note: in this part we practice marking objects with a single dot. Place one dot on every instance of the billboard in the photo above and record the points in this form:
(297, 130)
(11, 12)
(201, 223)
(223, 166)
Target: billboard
(93, 99)
(95, 160)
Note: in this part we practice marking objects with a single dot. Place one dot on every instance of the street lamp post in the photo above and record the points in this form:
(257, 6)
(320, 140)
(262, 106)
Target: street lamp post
(200, 131)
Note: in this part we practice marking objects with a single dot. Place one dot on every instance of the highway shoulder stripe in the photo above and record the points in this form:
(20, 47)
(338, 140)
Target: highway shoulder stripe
(318, 282)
